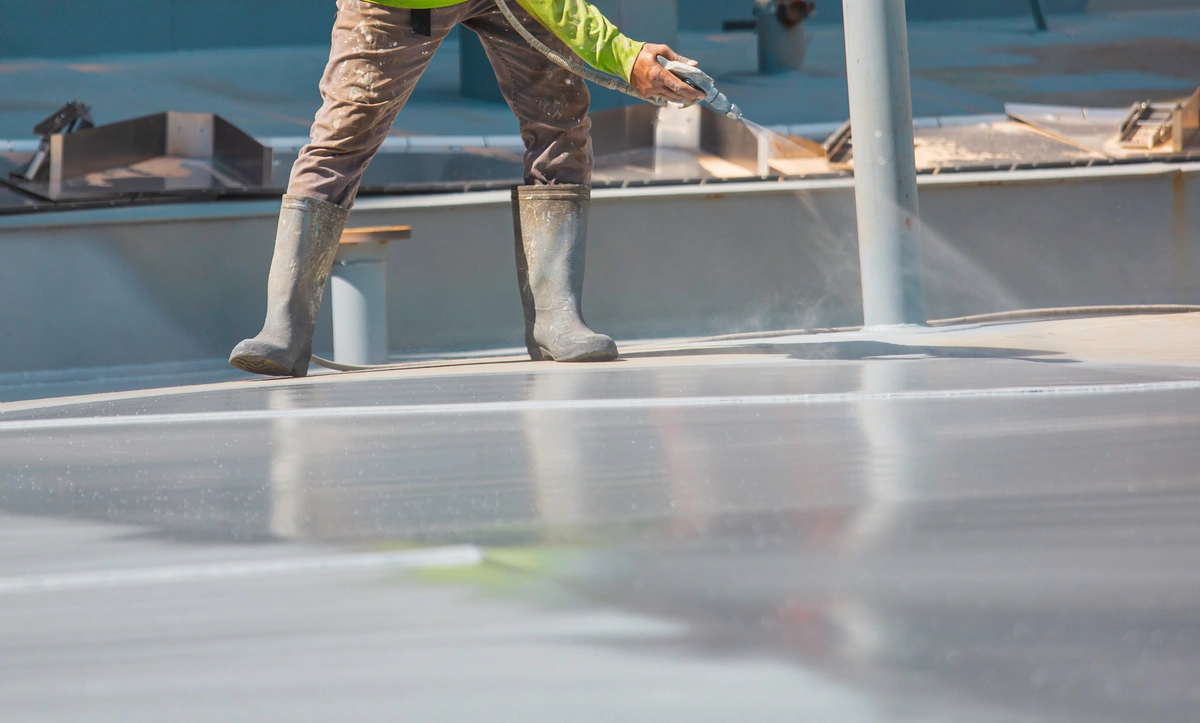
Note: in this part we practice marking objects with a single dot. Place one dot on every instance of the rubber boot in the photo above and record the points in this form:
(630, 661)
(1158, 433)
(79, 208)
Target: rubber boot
(307, 241)
(551, 229)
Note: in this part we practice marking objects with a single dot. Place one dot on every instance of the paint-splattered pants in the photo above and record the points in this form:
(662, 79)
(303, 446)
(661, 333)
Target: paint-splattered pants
(374, 64)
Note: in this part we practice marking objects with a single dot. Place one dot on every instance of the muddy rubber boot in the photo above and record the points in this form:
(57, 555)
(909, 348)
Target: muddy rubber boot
(307, 240)
(551, 226)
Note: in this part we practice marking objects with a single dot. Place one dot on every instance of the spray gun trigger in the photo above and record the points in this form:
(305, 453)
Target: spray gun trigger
(704, 83)
(691, 75)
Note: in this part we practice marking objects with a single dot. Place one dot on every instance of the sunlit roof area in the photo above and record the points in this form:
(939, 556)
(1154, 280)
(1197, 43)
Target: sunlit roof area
(491, 361)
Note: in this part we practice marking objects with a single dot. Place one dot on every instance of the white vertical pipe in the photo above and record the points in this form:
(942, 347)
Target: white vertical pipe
(885, 175)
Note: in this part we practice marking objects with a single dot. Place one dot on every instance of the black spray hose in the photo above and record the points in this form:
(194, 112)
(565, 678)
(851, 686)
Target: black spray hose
(604, 80)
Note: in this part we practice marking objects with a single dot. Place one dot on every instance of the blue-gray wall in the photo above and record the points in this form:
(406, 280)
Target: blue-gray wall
(51, 28)
(187, 282)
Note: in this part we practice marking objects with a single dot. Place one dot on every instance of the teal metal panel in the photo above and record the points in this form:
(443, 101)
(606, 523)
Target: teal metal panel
(250, 23)
(56, 28)
(52, 28)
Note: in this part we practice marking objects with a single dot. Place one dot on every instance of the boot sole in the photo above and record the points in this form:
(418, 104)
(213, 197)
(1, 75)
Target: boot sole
(592, 356)
(261, 365)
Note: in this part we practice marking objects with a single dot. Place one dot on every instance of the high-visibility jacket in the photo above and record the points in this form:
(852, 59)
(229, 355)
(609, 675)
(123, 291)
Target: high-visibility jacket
(577, 23)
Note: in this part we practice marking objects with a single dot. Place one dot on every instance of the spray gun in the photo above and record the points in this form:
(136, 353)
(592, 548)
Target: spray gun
(704, 83)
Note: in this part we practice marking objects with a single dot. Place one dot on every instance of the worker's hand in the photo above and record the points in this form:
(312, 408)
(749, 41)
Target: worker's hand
(652, 81)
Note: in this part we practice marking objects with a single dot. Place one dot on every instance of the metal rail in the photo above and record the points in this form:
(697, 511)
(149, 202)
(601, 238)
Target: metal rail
(1039, 18)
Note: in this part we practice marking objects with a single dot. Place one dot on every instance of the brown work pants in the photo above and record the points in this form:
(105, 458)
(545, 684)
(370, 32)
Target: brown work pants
(374, 64)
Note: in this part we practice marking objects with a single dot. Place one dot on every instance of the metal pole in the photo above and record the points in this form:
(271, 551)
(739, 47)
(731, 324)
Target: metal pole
(1039, 18)
(885, 174)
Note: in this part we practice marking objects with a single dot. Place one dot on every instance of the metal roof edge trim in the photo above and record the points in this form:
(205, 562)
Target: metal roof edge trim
(217, 210)
(400, 144)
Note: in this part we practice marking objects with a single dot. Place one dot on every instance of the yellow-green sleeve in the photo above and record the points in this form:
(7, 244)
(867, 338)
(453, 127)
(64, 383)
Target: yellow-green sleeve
(586, 31)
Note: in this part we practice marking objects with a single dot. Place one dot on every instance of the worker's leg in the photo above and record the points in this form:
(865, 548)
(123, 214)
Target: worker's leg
(551, 103)
(550, 213)
(374, 63)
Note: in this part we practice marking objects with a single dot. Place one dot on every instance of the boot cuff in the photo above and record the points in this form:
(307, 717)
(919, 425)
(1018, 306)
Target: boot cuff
(315, 206)
(564, 192)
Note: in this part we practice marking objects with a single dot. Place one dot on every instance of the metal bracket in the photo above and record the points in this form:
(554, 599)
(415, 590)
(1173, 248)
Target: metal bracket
(840, 145)
(73, 116)
(1039, 17)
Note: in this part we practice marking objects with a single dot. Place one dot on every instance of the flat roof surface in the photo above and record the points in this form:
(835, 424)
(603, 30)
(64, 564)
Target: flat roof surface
(981, 523)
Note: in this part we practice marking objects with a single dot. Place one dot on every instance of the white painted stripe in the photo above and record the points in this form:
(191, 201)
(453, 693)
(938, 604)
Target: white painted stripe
(571, 405)
(419, 143)
(284, 143)
(437, 557)
(823, 130)
(399, 144)
(509, 142)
